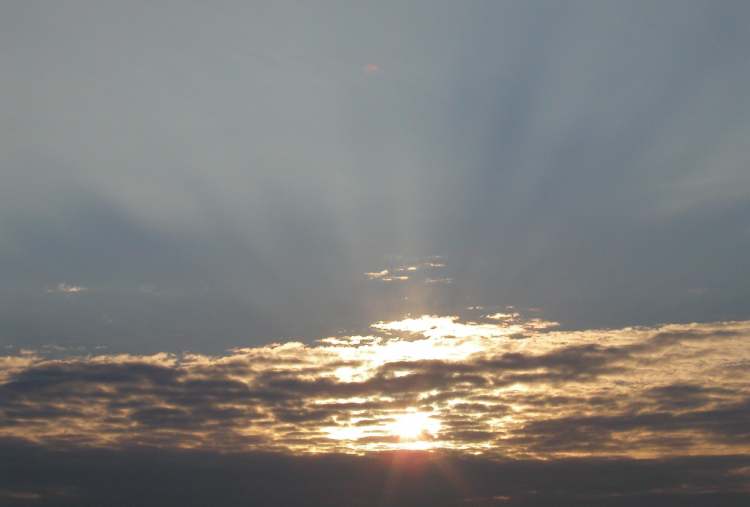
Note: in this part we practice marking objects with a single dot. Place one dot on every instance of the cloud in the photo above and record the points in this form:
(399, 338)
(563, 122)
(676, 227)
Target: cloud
(443, 280)
(31, 474)
(417, 269)
(386, 276)
(643, 392)
(66, 288)
(375, 275)
(727, 424)
(503, 316)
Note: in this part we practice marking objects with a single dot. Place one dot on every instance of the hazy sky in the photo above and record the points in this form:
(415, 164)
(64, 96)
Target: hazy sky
(386, 253)
(222, 174)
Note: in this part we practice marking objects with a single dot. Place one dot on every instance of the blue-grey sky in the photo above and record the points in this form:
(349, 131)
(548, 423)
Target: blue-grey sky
(197, 176)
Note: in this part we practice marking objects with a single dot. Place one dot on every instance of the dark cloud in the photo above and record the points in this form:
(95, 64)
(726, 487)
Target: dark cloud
(729, 423)
(32, 475)
(686, 396)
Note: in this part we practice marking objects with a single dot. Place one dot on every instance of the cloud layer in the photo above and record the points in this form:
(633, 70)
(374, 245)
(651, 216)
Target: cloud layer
(503, 385)
(33, 475)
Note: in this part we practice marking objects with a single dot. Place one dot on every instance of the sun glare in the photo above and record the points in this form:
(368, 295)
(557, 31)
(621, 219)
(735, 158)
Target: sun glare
(415, 426)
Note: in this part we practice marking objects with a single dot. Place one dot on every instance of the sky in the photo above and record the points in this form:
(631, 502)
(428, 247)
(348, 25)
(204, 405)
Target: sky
(434, 240)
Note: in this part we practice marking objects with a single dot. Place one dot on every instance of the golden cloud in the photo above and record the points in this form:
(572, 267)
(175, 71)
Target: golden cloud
(503, 385)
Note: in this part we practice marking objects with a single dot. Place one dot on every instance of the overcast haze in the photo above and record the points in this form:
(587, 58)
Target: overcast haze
(246, 163)
(541, 203)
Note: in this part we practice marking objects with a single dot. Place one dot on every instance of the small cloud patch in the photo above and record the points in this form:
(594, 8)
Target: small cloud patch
(66, 288)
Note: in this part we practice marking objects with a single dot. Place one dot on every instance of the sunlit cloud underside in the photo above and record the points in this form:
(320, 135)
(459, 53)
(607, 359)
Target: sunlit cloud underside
(503, 385)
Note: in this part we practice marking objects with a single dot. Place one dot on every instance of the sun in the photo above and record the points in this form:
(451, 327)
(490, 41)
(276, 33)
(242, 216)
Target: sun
(415, 426)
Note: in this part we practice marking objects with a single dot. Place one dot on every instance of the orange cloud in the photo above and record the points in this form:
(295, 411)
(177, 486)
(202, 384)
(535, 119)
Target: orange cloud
(504, 385)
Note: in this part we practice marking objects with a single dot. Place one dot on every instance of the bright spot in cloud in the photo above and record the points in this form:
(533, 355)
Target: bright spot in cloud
(345, 432)
(385, 276)
(400, 278)
(413, 426)
(67, 288)
(371, 68)
(434, 326)
(375, 275)
(503, 316)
